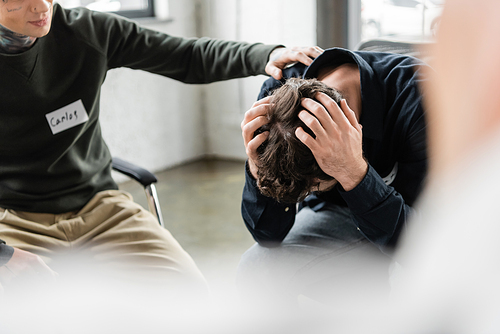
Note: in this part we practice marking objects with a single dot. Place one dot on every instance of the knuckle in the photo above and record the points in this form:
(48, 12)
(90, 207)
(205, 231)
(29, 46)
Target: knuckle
(34, 259)
(328, 101)
(258, 110)
(306, 118)
(250, 146)
(313, 121)
(244, 128)
(309, 121)
(262, 119)
(308, 141)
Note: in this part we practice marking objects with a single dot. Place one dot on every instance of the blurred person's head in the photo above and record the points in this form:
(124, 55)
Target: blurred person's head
(287, 169)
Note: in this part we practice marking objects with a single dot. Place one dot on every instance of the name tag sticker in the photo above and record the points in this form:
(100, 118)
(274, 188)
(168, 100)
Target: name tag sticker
(67, 117)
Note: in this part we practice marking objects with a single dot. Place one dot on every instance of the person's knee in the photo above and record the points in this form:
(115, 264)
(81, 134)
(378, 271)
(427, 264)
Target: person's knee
(251, 263)
(255, 267)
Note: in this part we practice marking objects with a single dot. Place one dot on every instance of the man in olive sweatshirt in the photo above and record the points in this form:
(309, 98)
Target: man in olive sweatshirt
(56, 189)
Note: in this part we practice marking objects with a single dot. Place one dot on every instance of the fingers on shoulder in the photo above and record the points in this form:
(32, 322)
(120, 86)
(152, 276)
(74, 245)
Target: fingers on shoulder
(307, 53)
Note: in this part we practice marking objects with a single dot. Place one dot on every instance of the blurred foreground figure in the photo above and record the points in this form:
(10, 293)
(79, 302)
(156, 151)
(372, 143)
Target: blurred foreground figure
(450, 257)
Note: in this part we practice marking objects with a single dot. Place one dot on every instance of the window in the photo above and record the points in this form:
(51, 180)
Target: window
(410, 20)
(127, 8)
(404, 3)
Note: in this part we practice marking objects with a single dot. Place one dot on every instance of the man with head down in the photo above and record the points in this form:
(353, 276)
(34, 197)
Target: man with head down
(336, 158)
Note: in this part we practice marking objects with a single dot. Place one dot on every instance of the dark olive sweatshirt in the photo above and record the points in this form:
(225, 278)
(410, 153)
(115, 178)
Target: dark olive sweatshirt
(52, 155)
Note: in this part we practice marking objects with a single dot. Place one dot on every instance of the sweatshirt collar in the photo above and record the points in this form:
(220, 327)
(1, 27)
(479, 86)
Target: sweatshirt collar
(12, 42)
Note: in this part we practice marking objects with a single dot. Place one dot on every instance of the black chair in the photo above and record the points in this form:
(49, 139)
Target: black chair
(144, 177)
(415, 49)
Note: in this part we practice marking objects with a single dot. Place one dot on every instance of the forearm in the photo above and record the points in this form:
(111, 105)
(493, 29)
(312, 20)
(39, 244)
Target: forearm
(215, 60)
(189, 60)
(192, 60)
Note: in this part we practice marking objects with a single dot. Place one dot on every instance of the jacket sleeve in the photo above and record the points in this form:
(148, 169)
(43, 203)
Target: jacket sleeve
(381, 211)
(5, 253)
(267, 220)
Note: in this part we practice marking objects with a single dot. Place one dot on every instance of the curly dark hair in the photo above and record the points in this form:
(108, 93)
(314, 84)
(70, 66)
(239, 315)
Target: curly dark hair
(287, 169)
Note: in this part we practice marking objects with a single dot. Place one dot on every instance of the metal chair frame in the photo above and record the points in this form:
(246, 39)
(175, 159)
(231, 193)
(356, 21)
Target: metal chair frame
(147, 179)
(415, 49)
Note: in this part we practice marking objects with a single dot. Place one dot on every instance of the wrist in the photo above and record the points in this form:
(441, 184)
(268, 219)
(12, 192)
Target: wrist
(354, 177)
(275, 53)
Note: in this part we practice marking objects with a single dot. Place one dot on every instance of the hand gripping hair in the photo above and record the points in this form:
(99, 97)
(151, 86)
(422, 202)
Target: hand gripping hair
(287, 169)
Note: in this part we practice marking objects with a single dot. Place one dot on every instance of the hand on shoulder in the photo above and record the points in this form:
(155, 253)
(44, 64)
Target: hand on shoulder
(282, 57)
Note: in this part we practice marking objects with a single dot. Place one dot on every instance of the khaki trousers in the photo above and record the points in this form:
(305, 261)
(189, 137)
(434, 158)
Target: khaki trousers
(111, 235)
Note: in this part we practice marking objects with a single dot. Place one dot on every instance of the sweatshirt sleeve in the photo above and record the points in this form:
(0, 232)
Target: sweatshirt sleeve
(190, 60)
(5, 253)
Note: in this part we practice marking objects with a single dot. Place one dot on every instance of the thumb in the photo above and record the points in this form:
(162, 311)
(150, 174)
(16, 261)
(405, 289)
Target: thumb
(273, 71)
(276, 73)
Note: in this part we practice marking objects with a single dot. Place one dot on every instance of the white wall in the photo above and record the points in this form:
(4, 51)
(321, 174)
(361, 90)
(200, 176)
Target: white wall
(150, 120)
(288, 22)
(157, 122)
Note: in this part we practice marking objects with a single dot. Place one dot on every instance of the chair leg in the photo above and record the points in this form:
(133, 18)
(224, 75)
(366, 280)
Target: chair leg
(153, 203)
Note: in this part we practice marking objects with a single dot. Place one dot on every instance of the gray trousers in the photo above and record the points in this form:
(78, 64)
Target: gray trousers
(324, 258)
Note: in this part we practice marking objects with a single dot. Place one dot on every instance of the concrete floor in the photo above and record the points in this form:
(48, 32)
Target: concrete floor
(200, 202)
